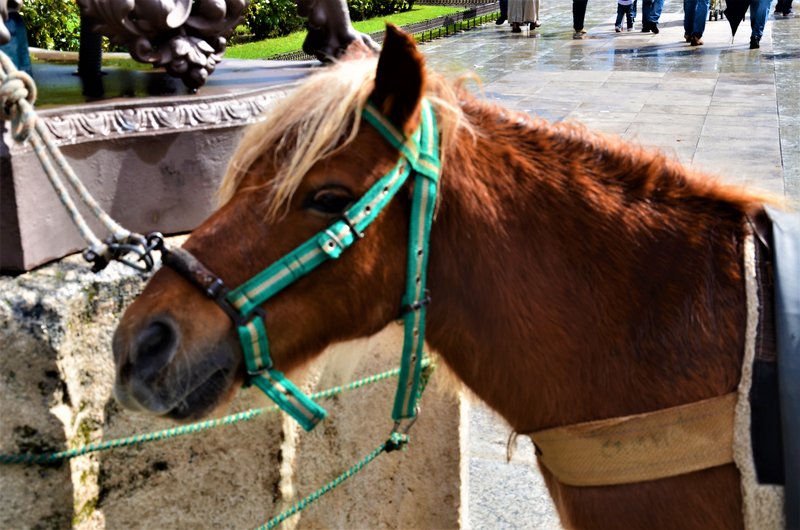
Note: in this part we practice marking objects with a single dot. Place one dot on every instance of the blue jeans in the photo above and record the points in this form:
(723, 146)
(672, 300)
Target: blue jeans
(624, 10)
(503, 8)
(694, 18)
(758, 17)
(651, 11)
(633, 10)
(17, 48)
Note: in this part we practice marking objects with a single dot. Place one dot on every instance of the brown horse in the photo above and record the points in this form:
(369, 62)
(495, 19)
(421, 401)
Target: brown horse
(574, 277)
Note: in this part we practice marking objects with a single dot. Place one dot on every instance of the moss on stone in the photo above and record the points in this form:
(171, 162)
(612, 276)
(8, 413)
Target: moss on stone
(84, 512)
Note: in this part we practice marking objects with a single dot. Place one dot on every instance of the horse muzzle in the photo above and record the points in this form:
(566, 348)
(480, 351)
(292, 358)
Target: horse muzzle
(158, 375)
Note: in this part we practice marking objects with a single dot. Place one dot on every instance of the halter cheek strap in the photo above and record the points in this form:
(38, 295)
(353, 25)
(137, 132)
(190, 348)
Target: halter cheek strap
(420, 158)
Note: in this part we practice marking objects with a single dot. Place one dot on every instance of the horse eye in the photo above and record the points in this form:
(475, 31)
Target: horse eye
(330, 200)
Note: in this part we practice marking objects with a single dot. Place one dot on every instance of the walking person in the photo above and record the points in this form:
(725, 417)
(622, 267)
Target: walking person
(624, 8)
(578, 16)
(784, 7)
(695, 13)
(651, 12)
(758, 19)
(503, 13)
(523, 12)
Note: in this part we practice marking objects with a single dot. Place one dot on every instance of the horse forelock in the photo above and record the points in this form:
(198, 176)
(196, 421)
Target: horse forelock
(315, 121)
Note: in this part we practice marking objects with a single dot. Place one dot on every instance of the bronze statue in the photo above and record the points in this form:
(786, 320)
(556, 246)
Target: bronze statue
(183, 36)
(330, 31)
(186, 36)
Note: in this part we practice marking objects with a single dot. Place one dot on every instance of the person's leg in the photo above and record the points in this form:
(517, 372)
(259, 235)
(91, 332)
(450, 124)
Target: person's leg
(758, 18)
(629, 17)
(633, 10)
(620, 13)
(503, 12)
(578, 14)
(700, 15)
(655, 14)
(688, 18)
(646, 7)
(784, 7)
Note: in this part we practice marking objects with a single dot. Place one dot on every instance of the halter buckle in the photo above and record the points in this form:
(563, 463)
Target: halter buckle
(416, 305)
(356, 234)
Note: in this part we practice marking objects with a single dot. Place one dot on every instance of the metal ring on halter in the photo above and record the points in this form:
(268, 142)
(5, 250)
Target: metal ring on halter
(399, 429)
(417, 305)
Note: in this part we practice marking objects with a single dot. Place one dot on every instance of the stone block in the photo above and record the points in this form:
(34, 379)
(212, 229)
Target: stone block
(56, 373)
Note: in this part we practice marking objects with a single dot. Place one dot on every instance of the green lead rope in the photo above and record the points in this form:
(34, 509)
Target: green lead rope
(47, 458)
(396, 441)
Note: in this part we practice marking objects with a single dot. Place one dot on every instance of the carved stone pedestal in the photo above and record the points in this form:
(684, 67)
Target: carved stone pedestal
(154, 163)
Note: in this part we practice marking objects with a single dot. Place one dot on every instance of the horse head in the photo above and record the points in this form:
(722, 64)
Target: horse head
(176, 351)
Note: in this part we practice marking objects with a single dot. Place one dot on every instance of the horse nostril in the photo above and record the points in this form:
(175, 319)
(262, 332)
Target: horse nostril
(155, 347)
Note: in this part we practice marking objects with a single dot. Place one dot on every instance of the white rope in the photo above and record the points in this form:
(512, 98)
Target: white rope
(17, 95)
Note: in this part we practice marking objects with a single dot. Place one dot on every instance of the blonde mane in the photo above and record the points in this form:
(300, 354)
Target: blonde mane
(316, 121)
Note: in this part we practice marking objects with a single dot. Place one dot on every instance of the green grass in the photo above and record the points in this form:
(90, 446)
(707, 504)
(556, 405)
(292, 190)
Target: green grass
(294, 41)
(108, 62)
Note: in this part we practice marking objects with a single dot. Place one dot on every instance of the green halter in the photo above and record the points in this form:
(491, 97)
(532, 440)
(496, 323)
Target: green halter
(420, 157)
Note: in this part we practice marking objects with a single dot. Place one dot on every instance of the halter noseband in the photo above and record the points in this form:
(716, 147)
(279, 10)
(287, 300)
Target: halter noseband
(420, 157)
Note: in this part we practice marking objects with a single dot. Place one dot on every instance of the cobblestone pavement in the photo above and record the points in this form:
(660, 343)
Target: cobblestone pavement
(720, 107)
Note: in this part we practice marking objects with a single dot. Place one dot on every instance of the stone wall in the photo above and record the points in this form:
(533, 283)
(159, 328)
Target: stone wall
(56, 374)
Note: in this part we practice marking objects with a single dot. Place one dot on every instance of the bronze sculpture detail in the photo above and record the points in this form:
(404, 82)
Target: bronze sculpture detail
(187, 37)
(183, 36)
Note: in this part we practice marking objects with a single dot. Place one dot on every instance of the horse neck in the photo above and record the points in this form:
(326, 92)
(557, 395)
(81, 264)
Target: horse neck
(558, 298)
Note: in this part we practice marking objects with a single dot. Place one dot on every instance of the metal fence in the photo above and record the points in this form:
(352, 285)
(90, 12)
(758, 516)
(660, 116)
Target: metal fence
(473, 16)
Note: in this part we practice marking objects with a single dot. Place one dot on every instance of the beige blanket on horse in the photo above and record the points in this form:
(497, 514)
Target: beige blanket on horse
(762, 504)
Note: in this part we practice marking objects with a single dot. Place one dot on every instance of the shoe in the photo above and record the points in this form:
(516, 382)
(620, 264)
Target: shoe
(630, 28)
(534, 25)
(687, 37)
(645, 27)
(696, 41)
(500, 21)
(579, 34)
(654, 28)
(788, 13)
(754, 43)
(515, 28)
(618, 28)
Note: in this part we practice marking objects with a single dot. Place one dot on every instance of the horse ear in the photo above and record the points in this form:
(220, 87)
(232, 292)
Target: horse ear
(399, 80)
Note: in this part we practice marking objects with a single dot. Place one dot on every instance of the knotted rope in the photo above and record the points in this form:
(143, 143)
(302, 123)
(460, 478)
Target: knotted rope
(16, 87)
(17, 95)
